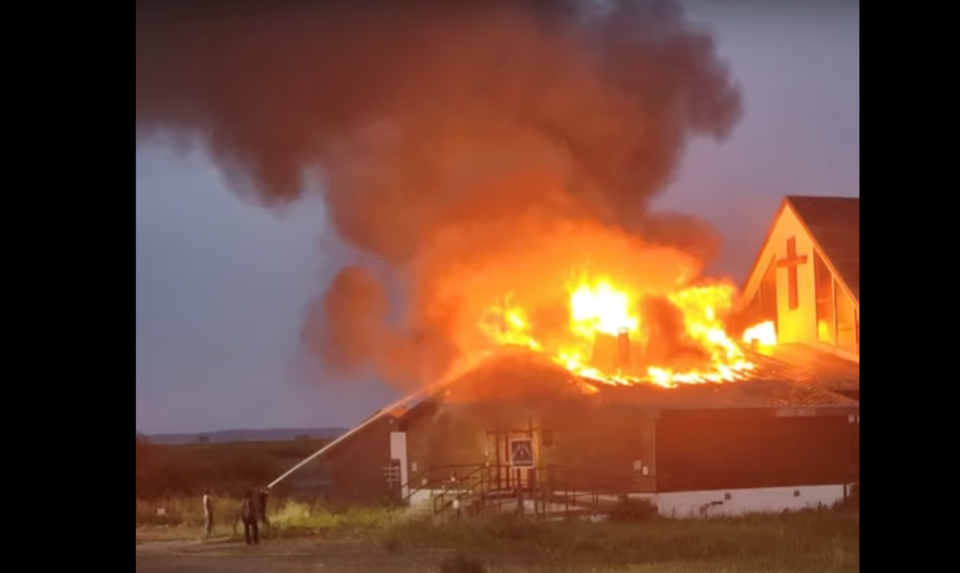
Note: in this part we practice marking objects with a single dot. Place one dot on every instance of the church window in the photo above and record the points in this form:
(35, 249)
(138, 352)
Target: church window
(846, 320)
(763, 305)
(825, 311)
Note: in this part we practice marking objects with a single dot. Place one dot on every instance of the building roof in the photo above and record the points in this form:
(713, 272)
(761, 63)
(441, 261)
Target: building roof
(834, 223)
(810, 367)
(744, 394)
(783, 378)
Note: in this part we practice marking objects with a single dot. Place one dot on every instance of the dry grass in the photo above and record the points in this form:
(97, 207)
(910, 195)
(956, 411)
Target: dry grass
(816, 541)
(186, 512)
(820, 541)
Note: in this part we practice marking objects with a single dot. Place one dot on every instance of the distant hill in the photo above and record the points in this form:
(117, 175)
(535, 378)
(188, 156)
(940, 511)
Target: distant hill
(271, 435)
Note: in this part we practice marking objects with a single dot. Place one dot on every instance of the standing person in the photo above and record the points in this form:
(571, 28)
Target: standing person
(262, 494)
(207, 512)
(249, 514)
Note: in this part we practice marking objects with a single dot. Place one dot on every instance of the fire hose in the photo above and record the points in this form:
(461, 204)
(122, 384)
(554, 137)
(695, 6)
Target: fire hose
(379, 414)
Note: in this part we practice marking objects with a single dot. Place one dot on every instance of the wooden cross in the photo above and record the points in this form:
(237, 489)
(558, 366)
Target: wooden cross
(790, 263)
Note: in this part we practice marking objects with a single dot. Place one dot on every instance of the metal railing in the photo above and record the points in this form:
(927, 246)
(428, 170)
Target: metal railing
(426, 479)
(478, 488)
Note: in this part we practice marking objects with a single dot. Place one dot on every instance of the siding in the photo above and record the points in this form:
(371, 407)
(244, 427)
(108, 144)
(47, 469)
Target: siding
(710, 451)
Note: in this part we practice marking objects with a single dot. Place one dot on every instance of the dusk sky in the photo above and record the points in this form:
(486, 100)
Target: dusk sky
(223, 284)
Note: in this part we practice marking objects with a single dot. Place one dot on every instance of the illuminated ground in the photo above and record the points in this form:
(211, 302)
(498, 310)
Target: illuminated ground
(317, 555)
(275, 557)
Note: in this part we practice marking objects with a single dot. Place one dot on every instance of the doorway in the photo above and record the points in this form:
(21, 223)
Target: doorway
(513, 456)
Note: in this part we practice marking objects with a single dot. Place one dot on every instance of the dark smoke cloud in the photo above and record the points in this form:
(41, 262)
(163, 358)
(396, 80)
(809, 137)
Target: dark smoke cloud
(440, 130)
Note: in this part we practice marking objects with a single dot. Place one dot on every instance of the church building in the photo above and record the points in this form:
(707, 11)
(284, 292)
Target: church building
(806, 282)
(514, 435)
(806, 279)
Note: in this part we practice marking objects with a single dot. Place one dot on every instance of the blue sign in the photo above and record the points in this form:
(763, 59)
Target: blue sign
(521, 453)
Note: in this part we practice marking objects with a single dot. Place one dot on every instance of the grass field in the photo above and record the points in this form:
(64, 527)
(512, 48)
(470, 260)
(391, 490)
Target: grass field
(307, 538)
(359, 540)
(226, 468)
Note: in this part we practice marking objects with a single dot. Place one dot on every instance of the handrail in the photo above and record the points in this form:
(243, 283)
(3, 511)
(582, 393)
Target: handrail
(471, 491)
(546, 490)
(571, 486)
(461, 493)
(432, 483)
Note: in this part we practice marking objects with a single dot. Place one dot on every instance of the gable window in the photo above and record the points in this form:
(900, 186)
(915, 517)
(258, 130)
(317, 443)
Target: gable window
(768, 295)
(763, 305)
(847, 331)
(825, 315)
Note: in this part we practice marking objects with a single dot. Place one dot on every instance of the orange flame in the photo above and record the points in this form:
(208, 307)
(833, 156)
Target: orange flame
(597, 306)
(763, 334)
(570, 288)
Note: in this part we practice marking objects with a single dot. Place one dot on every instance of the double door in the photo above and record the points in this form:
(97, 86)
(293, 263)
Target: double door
(513, 456)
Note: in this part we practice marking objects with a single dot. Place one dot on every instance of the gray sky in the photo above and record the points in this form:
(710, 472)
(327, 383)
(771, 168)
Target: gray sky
(222, 285)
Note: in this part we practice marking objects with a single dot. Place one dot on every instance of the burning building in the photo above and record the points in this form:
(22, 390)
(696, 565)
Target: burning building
(490, 169)
(804, 288)
(647, 395)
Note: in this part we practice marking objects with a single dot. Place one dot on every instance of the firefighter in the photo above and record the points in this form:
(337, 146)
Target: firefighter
(249, 513)
(262, 494)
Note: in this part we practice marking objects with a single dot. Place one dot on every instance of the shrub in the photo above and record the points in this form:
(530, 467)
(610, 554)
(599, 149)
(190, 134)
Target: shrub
(633, 510)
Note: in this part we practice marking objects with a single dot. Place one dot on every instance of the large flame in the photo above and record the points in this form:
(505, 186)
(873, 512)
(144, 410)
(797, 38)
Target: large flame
(602, 304)
(763, 334)
(596, 306)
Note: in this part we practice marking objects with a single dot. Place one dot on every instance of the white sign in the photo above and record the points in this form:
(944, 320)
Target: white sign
(521, 453)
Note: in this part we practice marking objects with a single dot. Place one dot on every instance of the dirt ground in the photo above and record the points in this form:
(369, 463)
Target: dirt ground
(184, 551)
(311, 555)
(276, 556)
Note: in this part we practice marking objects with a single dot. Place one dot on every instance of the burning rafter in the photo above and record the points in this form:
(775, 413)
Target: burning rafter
(667, 339)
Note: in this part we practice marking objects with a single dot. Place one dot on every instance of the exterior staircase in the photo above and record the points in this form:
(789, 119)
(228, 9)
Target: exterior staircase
(473, 491)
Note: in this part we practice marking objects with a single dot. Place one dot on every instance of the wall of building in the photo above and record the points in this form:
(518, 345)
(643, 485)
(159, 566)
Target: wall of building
(714, 503)
(603, 446)
(855, 445)
(620, 448)
(354, 470)
(443, 440)
(794, 325)
(592, 446)
(700, 451)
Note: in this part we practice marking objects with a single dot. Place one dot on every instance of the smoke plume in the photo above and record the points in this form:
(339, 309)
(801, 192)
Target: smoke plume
(446, 135)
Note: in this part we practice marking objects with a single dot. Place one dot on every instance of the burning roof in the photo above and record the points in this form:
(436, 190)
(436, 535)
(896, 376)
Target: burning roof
(806, 366)
(643, 339)
(652, 324)
(526, 378)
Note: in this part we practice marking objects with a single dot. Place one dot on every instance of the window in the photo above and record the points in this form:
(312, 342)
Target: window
(763, 305)
(546, 438)
(846, 321)
(826, 317)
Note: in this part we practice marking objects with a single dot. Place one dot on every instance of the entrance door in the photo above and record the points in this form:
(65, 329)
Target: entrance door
(513, 455)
